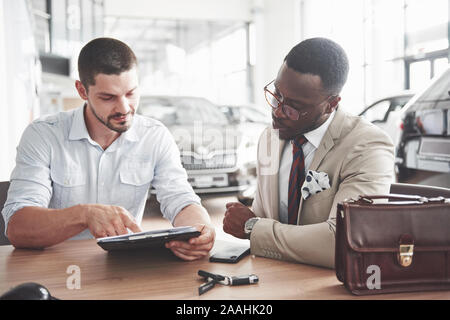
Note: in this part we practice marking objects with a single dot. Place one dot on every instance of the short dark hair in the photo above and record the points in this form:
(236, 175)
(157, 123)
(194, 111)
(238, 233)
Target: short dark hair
(104, 55)
(322, 57)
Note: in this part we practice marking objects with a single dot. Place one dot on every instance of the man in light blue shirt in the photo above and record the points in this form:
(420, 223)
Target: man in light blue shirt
(87, 172)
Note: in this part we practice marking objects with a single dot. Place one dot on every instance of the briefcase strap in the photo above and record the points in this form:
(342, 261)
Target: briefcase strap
(404, 198)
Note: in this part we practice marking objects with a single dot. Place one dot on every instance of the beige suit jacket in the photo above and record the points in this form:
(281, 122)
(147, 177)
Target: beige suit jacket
(358, 158)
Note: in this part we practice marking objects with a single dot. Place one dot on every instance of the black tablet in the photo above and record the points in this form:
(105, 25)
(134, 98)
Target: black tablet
(147, 239)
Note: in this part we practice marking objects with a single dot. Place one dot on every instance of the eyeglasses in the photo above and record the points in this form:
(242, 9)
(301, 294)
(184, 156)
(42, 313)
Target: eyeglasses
(275, 102)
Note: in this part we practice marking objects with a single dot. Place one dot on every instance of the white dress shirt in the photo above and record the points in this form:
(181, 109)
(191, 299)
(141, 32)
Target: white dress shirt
(58, 165)
(314, 138)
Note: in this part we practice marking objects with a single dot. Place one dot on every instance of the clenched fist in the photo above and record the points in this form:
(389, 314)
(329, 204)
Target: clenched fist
(235, 217)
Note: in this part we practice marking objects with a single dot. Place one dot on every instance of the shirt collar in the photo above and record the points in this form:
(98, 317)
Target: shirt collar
(131, 134)
(79, 130)
(315, 136)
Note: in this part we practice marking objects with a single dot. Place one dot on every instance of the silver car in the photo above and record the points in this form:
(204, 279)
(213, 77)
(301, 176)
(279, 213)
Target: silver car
(386, 113)
(423, 153)
(218, 155)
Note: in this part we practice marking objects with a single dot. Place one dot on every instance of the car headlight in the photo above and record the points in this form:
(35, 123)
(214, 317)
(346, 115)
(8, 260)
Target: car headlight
(229, 160)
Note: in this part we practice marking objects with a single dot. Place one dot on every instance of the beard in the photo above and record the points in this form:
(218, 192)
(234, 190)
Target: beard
(121, 126)
(291, 132)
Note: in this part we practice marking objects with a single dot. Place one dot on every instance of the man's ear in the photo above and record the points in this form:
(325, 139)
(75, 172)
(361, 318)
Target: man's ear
(332, 103)
(81, 90)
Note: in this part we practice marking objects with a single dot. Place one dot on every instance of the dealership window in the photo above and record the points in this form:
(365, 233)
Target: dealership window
(426, 26)
(440, 65)
(392, 45)
(419, 73)
(62, 26)
(41, 25)
(426, 41)
(208, 59)
(372, 37)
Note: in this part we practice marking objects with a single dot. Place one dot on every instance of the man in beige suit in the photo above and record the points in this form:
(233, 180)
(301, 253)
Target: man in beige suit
(312, 143)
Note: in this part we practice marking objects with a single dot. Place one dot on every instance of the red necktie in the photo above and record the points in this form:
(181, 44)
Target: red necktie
(296, 179)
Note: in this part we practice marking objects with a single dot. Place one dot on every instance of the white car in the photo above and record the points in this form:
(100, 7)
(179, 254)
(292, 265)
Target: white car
(219, 155)
(424, 146)
(386, 113)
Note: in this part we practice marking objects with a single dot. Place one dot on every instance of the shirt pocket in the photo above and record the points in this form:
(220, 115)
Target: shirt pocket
(69, 188)
(135, 179)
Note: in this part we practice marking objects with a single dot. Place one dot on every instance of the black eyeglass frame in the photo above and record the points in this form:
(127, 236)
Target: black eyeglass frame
(292, 113)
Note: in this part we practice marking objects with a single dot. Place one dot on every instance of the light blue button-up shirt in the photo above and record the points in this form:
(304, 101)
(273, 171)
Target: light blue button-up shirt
(58, 165)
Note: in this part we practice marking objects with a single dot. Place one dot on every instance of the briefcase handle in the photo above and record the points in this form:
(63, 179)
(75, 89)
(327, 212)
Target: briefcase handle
(404, 198)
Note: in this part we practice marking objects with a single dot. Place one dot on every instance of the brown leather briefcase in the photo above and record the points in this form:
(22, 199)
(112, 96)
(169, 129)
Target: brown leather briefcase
(397, 246)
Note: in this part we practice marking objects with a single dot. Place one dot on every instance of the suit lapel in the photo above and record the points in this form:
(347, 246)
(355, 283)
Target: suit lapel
(333, 132)
(274, 185)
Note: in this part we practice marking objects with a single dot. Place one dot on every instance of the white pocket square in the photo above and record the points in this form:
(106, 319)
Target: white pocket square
(315, 182)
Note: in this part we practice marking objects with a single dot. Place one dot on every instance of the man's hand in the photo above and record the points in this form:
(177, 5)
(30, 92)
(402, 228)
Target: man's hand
(235, 217)
(107, 221)
(195, 248)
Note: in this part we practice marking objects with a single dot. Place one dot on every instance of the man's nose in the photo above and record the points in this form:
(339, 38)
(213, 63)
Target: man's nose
(123, 106)
(278, 112)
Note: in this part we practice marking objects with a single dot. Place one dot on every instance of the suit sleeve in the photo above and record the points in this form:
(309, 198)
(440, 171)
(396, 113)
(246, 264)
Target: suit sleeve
(367, 169)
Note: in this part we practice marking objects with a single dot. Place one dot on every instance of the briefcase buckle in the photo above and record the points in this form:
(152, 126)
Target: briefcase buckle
(405, 254)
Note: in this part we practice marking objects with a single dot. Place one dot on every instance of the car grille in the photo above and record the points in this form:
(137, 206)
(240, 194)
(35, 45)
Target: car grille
(220, 161)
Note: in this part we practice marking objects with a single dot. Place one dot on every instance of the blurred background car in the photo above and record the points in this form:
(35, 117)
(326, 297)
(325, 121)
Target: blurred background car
(219, 154)
(423, 153)
(246, 114)
(385, 113)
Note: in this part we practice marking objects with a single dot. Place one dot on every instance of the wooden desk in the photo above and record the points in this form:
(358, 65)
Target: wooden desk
(163, 276)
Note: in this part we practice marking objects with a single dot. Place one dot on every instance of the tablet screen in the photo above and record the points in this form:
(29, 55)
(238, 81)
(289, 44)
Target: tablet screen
(147, 239)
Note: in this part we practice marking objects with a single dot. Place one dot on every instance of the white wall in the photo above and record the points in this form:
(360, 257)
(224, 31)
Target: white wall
(334, 20)
(278, 29)
(277, 25)
(371, 33)
(4, 128)
(180, 9)
(17, 79)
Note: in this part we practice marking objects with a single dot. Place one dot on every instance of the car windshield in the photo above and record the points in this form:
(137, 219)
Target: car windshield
(437, 96)
(181, 110)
